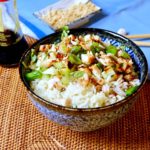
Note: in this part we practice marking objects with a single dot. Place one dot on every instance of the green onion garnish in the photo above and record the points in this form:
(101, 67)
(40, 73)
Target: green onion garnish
(111, 49)
(74, 59)
(131, 90)
(33, 75)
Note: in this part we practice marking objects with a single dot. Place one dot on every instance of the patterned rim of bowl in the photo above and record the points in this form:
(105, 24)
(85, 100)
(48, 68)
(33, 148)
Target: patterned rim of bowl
(79, 31)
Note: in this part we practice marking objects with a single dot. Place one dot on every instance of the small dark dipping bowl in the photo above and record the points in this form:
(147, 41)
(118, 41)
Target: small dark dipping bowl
(87, 119)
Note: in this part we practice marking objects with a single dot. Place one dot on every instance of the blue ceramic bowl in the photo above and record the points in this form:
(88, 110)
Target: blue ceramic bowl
(87, 119)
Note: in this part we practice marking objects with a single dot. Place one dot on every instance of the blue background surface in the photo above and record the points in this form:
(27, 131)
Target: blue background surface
(133, 15)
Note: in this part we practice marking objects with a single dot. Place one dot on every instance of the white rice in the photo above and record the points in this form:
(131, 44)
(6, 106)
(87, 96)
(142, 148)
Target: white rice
(75, 95)
(87, 85)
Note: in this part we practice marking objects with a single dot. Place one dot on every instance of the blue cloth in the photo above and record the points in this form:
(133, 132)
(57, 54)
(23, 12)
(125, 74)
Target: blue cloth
(131, 15)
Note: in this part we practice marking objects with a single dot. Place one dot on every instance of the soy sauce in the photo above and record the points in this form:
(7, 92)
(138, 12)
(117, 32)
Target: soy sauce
(12, 46)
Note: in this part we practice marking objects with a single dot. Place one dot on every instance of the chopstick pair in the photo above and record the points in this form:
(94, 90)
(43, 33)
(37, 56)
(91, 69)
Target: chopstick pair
(140, 36)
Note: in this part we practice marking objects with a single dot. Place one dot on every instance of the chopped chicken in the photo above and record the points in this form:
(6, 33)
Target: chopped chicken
(87, 58)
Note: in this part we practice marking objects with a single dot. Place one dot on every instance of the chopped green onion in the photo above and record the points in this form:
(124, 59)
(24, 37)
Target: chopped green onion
(33, 56)
(42, 69)
(77, 74)
(95, 47)
(65, 80)
(131, 90)
(65, 31)
(33, 75)
(125, 54)
(99, 65)
(65, 71)
(81, 52)
(74, 59)
(59, 65)
(66, 76)
(65, 28)
(64, 48)
(111, 49)
(76, 49)
(46, 76)
(33, 59)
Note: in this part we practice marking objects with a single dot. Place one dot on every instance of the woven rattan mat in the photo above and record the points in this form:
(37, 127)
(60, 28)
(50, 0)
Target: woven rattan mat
(22, 127)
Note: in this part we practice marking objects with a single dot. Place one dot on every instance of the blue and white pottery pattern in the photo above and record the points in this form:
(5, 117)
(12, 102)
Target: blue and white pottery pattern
(82, 123)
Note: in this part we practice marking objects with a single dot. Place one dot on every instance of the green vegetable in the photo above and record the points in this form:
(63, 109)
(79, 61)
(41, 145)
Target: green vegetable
(33, 56)
(33, 75)
(64, 48)
(59, 65)
(76, 49)
(46, 76)
(125, 54)
(99, 65)
(65, 31)
(66, 76)
(41, 69)
(95, 47)
(131, 90)
(33, 59)
(74, 59)
(65, 72)
(65, 80)
(111, 49)
(77, 74)
(65, 28)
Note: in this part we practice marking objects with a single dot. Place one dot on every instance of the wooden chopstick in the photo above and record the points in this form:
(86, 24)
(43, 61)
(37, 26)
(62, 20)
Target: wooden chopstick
(138, 36)
(139, 43)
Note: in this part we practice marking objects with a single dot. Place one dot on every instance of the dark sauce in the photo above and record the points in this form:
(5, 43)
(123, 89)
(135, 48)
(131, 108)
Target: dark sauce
(13, 48)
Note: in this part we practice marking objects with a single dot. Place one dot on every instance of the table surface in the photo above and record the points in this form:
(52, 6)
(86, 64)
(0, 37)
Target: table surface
(132, 15)
(22, 127)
